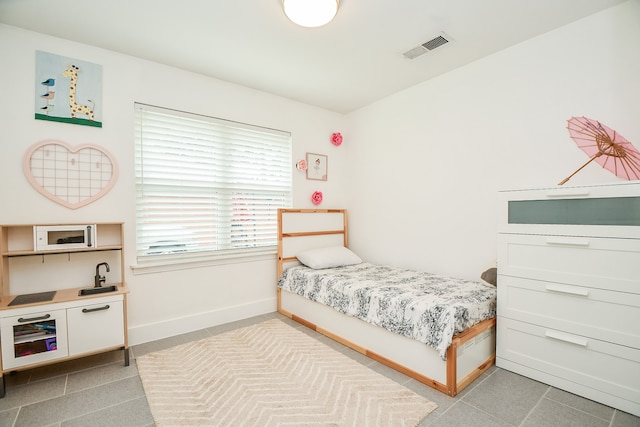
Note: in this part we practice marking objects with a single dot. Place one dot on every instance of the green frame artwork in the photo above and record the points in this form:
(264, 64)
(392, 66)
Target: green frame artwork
(68, 90)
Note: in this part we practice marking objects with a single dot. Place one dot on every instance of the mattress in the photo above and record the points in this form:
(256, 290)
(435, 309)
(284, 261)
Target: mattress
(422, 306)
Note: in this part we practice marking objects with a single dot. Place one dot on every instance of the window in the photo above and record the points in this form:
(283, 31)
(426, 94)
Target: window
(206, 186)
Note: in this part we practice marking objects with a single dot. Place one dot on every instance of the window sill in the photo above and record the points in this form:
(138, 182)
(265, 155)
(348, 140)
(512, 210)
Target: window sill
(184, 263)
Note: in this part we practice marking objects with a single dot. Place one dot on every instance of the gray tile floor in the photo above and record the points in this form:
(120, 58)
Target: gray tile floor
(100, 391)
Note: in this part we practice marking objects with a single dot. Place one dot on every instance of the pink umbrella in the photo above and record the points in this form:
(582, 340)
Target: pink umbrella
(607, 147)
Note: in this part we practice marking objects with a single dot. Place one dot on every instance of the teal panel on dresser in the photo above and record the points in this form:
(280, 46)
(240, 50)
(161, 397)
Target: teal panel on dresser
(594, 211)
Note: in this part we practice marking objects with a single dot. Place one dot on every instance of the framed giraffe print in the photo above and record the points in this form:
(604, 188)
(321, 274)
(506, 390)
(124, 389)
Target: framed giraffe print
(68, 90)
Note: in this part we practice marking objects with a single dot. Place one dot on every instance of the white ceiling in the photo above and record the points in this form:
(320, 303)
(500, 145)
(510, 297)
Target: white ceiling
(349, 63)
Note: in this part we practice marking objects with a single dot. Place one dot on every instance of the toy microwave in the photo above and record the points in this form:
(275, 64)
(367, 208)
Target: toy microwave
(62, 237)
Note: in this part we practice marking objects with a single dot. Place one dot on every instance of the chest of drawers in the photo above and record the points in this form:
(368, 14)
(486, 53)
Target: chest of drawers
(569, 290)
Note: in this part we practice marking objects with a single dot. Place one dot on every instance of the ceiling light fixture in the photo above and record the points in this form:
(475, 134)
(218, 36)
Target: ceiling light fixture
(310, 13)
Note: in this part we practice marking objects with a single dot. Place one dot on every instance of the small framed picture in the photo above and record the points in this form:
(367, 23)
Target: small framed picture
(317, 166)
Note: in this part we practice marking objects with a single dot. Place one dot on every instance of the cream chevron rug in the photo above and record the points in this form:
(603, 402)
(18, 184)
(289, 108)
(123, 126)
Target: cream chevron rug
(271, 374)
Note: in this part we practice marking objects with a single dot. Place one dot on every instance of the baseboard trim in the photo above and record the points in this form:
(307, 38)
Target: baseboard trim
(182, 325)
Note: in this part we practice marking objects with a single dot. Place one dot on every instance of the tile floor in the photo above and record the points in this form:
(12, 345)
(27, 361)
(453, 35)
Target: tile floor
(100, 391)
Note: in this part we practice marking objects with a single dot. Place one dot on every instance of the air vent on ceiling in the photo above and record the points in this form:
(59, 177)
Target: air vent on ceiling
(437, 41)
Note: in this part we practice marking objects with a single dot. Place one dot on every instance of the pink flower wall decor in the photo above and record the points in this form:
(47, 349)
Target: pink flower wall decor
(336, 138)
(301, 165)
(316, 197)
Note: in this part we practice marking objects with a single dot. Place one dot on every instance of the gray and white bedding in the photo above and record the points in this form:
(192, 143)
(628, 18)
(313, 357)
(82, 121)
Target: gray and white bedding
(422, 306)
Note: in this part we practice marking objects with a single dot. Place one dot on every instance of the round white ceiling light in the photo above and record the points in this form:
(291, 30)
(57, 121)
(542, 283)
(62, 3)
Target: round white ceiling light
(310, 13)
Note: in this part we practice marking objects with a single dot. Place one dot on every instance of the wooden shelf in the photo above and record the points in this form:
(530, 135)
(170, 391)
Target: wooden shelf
(66, 251)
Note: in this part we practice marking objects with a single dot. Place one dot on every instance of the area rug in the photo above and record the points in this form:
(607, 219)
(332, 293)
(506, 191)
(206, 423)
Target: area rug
(271, 374)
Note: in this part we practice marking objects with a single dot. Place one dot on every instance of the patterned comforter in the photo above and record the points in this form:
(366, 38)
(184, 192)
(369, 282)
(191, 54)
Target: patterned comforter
(421, 306)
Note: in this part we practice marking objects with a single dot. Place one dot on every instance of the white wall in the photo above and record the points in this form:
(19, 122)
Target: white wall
(430, 160)
(165, 303)
(418, 171)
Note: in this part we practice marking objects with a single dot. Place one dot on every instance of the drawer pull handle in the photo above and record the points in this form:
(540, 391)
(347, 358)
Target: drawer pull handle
(570, 291)
(91, 310)
(571, 339)
(574, 193)
(565, 242)
(34, 319)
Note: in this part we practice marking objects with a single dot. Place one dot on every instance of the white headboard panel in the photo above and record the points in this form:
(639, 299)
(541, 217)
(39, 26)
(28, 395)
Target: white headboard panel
(311, 220)
(300, 229)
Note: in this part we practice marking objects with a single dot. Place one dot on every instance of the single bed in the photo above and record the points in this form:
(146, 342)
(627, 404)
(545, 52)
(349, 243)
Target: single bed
(451, 338)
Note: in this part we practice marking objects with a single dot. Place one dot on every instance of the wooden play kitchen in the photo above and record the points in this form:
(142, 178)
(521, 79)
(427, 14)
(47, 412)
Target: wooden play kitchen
(63, 294)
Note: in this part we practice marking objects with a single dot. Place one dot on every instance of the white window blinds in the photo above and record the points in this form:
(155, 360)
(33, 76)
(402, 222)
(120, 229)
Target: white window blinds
(206, 185)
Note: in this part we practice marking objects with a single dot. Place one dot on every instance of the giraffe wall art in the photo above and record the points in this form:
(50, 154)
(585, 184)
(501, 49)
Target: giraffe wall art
(68, 90)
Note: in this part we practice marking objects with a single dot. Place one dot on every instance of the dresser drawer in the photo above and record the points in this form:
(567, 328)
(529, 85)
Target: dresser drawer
(608, 368)
(594, 262)
(604, 210)
(601, 314)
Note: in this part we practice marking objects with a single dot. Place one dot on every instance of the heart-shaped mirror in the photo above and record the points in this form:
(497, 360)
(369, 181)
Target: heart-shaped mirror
(72, 177)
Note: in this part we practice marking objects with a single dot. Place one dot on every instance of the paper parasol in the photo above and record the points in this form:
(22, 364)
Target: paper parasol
(604, 145)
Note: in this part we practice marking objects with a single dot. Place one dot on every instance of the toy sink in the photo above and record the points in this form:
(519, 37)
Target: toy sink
(97, 290)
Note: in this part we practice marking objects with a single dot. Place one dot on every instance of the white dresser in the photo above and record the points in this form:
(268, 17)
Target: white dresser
(569, 290)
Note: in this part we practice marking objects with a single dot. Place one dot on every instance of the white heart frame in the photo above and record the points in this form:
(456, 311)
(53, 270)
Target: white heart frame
(70, 176)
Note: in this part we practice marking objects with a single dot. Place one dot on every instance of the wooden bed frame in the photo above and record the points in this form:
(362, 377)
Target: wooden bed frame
(471, 352)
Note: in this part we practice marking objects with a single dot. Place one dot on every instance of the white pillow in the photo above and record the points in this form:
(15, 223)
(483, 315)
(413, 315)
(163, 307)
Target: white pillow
(334, 256)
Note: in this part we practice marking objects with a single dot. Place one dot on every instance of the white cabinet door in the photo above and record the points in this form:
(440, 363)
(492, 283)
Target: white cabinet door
(33, 337)
(94, 327)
